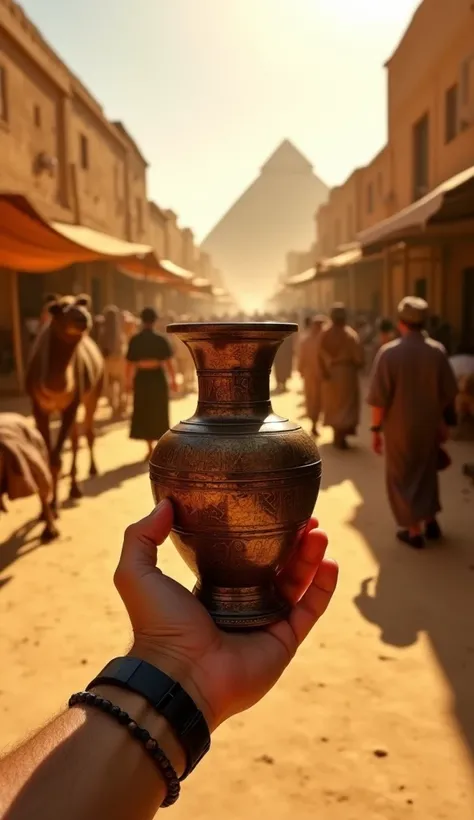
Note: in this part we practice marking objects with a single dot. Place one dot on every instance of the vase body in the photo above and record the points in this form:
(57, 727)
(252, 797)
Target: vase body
(243, 481)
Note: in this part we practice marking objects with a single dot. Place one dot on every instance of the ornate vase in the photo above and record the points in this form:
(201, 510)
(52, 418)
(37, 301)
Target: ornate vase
(243, 481)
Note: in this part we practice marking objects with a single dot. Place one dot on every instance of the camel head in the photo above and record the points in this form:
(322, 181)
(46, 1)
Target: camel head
(71, 317)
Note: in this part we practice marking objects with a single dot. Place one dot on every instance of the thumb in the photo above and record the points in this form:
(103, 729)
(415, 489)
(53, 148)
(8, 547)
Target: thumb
(140, 540)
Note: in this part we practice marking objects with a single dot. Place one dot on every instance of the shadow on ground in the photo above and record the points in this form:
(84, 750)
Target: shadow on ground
(19, 544)
(430, 591)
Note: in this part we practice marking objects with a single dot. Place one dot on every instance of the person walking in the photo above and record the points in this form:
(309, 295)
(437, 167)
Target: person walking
(308, 366)
(412, 387)
(149, 355)
(340, 358)
(283, 366)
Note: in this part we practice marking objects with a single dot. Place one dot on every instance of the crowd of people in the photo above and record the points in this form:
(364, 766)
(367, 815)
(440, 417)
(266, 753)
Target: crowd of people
(416, 391)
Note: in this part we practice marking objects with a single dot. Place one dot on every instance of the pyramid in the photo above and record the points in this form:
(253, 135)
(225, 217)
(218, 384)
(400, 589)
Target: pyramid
(273, 216)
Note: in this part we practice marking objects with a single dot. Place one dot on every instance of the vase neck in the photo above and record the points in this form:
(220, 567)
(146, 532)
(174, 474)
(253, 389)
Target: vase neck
(233, 364)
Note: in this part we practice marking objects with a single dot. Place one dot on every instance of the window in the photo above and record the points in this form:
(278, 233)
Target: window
(139, 215)
(370, 198)
(84, 151)
(451, 113)
(37, 116)
(421, 137)
(420, 288)
(3, 95)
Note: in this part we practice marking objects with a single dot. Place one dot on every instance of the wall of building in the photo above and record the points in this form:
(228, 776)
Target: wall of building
(32, 125)
(420, 73)
(98, 177)
(157, 229)
(139, 228)
(374, 191)
(174, 238)
(338, 221)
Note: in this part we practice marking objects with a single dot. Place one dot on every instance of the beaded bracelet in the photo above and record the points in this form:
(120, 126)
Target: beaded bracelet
(142, 735)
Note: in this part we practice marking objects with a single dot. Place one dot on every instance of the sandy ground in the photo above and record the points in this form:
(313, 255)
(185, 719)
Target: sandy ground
(375, 718)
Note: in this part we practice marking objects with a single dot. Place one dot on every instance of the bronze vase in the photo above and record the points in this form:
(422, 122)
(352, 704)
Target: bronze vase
(243, 481)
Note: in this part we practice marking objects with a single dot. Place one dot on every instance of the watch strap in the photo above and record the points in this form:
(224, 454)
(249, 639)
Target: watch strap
(167, 697)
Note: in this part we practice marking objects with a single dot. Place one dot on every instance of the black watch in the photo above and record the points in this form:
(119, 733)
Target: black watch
(167, 697)
(376, 428)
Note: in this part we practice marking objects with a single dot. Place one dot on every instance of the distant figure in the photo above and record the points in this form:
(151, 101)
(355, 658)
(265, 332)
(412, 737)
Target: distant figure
(112, 345)
(462, 365)
(283, 366)
(149, 355)
(184, 361)
(308, 366)
(442, 332)
(340, 359)
(412, 387)
(385, 333)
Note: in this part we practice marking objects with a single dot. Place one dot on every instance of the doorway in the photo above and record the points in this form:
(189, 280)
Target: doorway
(467, 328)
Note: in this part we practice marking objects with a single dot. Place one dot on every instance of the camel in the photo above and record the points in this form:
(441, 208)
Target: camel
(24, 468)
(66, 370)
(117, 328)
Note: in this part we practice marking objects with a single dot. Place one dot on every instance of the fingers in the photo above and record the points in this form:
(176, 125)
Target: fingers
(295, 579)
(140, 540)
(315, 601)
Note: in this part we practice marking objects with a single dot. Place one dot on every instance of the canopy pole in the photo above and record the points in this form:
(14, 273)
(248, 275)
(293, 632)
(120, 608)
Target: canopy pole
(16, 329)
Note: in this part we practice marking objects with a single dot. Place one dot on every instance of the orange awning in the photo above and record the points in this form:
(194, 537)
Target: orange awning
(32, 244)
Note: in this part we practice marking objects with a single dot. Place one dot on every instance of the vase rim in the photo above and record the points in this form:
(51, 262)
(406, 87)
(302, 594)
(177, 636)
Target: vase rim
(233, 327)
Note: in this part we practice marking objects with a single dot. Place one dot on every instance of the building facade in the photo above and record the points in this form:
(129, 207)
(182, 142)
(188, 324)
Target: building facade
(430, 84)
(74, 166)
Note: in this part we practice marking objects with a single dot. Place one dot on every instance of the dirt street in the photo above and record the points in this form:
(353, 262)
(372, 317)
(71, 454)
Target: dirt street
(375, 718)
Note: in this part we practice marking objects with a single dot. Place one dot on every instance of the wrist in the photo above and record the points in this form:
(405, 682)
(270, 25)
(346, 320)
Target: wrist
(181, 670)
(145, 716)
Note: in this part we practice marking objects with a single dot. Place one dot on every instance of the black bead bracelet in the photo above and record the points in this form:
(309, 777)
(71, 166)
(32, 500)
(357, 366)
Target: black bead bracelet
(142, 735)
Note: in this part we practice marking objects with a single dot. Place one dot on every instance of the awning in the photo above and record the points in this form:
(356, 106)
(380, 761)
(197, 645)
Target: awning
(30, 243)
(300, 279)
(176, 270)
(450, 202)
(341, 260)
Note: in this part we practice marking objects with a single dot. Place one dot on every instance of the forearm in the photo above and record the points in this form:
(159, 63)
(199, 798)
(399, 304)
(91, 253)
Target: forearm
(91, 764)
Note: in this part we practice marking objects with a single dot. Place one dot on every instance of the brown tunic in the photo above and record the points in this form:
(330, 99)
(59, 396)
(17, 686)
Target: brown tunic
(308, 365)
(413, 382)
(283, 366)
(340, 357)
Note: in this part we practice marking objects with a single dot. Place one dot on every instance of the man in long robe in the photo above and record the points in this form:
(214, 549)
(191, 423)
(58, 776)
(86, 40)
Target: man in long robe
(412, 386)
(308, 366)
(340, 359)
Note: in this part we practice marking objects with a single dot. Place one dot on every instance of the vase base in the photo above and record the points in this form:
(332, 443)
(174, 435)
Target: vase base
(242, 608)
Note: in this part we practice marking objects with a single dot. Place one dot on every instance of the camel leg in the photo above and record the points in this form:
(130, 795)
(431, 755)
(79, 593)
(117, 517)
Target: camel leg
(90, 408)
(75, 491)
(67, 421)
(50, 531)
(42, 423)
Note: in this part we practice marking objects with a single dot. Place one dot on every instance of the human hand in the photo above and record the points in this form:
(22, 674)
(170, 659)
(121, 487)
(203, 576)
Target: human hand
(377, 443)
(224, 673)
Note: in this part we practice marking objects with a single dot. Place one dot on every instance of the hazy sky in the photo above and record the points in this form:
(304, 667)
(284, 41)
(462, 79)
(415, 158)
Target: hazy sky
(208, 88)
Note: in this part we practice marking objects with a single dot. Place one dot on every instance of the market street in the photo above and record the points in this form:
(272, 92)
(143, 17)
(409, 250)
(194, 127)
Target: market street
(375, 717)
